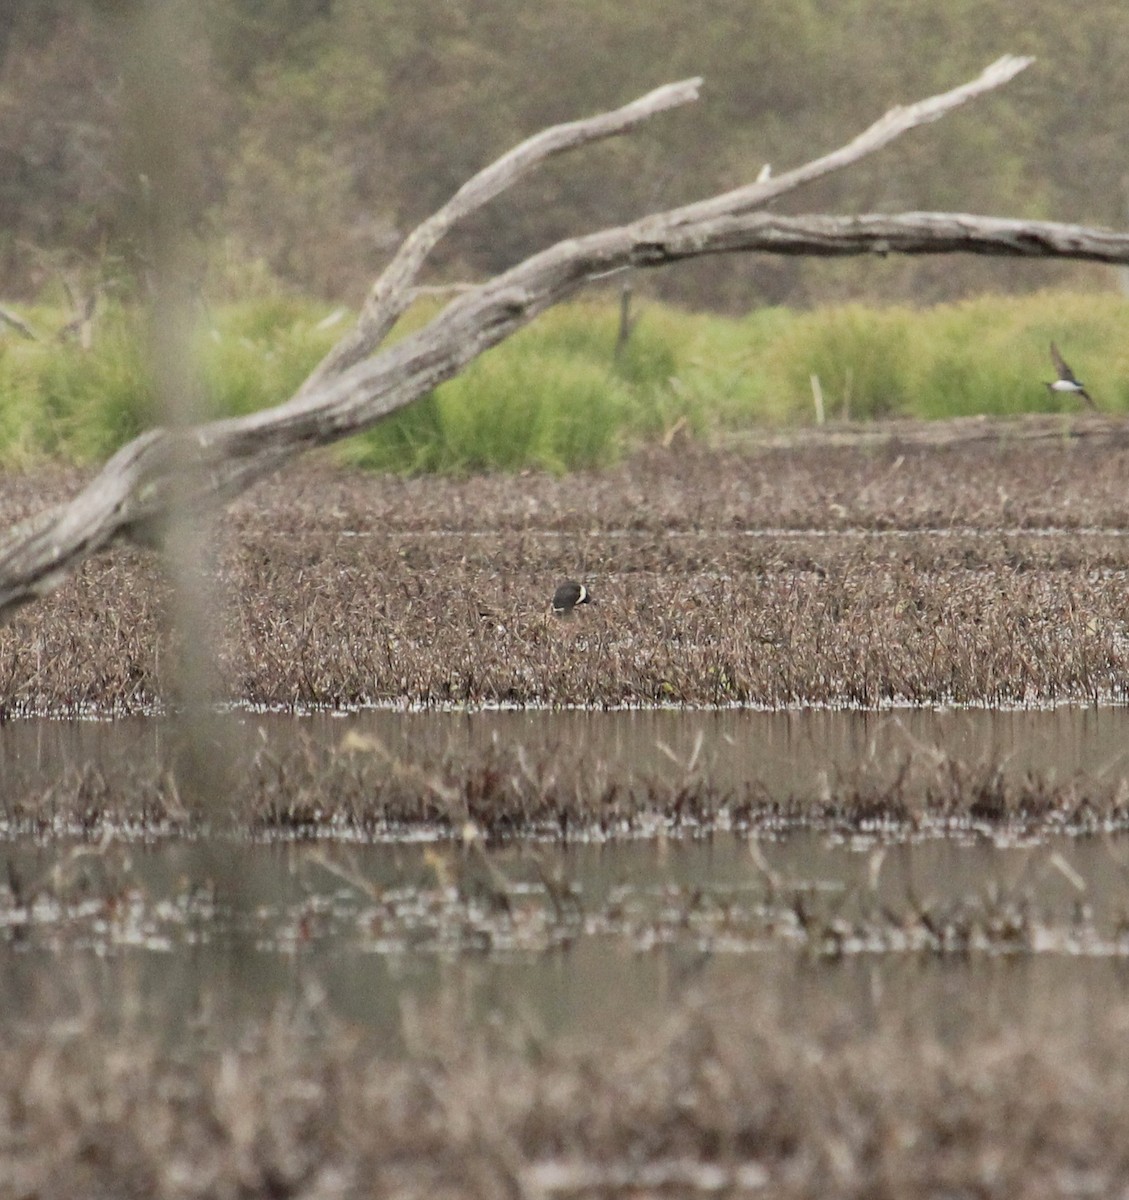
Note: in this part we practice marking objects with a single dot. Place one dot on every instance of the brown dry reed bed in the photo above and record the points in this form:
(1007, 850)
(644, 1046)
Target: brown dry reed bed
(359, 789)
(719, 1096)
(991, 573)
(469, 897)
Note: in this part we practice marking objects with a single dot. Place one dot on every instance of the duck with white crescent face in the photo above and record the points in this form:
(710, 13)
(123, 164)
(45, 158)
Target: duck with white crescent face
(1066, 381)
(568, 595)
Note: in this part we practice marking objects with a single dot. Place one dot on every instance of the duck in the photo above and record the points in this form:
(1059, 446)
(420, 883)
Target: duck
(568, 595)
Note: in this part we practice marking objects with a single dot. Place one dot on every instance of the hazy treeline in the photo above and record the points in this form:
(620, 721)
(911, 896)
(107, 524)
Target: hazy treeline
(321, 130)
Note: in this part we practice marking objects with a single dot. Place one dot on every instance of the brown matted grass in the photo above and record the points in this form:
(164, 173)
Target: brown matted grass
(717, 1097)
(992, 573)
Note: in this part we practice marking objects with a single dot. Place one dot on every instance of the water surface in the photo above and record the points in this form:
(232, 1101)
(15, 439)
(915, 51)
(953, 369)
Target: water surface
(786, 751)
(588, 939)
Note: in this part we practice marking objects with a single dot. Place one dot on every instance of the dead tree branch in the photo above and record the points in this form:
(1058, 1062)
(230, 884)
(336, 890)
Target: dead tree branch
(892, 125)
(391, 294)
(349, 392)
(7, 317)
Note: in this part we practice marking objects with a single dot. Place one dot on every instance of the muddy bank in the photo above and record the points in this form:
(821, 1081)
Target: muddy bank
(987, 573)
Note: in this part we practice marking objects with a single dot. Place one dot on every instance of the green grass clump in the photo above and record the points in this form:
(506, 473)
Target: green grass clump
(859, 355)
(531, 402)
(987, 355)
(256, 353)
(559, 396)
(60, 401)
(719, 379)
(554, 396)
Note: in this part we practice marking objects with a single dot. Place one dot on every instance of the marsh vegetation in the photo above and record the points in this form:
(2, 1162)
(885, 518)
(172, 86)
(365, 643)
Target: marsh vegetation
(551, 964)
(311, 916)
(572, 952)
(558, 397)
(984, 573)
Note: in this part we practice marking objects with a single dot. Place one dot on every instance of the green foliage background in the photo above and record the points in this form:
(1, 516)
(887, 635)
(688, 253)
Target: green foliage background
(556, 396)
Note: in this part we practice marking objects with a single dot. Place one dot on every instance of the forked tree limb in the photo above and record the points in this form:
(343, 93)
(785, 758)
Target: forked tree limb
(892, 125)
(391, 293)
(136, 490)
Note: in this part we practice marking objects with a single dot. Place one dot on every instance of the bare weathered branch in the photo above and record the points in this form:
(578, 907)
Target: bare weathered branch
(892, 125)
(894, 233)
(391, 294)
(214, 462)
(7, 317)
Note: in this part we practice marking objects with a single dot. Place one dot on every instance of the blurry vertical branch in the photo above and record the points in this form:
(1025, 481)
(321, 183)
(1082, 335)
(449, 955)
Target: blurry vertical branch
(193, 469)
(162, 152)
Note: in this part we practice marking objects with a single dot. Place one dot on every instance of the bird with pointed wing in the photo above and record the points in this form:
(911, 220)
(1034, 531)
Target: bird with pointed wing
(1066, 381)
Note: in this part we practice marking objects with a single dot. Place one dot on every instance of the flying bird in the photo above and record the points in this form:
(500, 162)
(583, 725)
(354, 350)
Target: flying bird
(1066, 381)
(568, 595)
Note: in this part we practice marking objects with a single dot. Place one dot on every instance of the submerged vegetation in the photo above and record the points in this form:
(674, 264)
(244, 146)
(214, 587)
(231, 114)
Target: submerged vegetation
(558, 396)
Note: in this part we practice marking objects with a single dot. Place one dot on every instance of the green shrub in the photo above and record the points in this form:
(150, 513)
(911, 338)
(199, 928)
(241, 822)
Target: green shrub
(506, 411)
(256, 353)
(859, 355)
(65, 402)
(989, 355)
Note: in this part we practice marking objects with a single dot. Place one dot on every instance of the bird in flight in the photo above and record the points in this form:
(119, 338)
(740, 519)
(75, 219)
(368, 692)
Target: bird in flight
(1066, 381)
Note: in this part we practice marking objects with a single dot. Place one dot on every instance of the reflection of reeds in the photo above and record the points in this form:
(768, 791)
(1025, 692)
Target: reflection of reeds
(558, 793)
(478, 885)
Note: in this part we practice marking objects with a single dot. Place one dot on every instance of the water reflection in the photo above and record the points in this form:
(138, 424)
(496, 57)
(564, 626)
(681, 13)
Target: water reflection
(635, 926)
(373, 926)
(786, 751)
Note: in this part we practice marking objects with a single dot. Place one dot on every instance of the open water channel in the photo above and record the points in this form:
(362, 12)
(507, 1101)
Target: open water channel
(596, 934)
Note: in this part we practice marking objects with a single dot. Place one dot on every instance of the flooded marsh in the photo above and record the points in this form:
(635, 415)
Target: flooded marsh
(795, 865)
(581, 776)
(823, 952)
